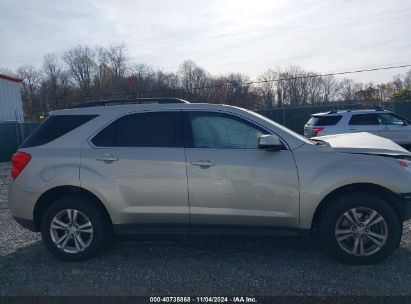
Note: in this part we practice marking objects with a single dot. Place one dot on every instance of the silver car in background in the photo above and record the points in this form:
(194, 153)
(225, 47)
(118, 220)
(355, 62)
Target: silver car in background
(168, 166)
(378, 122)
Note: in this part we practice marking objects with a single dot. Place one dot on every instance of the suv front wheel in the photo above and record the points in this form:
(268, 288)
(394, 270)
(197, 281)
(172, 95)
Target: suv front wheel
(74, 228)
(360, 228)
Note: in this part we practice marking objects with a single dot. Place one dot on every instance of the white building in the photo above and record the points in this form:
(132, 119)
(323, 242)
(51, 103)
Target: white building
(11, 107)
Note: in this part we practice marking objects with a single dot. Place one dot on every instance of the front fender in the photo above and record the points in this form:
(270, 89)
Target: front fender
(321, 173)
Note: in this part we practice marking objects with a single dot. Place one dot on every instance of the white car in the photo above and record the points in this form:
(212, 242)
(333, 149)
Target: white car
(378, 122)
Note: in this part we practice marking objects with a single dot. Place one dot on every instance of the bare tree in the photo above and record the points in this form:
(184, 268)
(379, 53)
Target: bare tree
(330, 88)
(268, 88)
(193, 77)
(348, 90)
(51, 85)
(117, 61)
(32, 104)
(398, 83)
(407, 80)
(141, 80)
(81, 64)
(105, 72)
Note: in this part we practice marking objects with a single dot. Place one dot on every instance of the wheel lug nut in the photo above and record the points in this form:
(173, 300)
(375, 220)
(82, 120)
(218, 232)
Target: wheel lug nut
(355, 235)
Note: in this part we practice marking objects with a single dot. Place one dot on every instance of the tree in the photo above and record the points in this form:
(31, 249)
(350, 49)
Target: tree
(348, 89)
(52, 86)
(404, 94)
(368, 95)
(329, 87)
(83, 73)
(407, 80)
(81, 65)
(117, 62)
(267, 89)
(141, 80)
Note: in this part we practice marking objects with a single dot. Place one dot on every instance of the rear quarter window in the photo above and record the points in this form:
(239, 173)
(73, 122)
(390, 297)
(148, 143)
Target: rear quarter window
(54, 127)
(324, 120)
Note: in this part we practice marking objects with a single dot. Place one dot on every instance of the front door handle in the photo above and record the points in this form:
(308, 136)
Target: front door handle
(107, 158)
(204, 163)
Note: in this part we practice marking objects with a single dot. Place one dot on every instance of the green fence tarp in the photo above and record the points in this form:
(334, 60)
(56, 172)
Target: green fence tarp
(12, 135)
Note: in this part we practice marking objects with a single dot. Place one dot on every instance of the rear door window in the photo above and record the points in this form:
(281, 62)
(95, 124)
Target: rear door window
(364, 119)
(324, 120)
(150, 129)
(54, 127)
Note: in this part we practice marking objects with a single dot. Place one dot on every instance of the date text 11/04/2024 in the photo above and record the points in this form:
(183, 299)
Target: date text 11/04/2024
(168, 299)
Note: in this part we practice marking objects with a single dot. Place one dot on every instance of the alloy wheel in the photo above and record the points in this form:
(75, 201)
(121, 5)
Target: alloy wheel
(71, 231)
(361, 231)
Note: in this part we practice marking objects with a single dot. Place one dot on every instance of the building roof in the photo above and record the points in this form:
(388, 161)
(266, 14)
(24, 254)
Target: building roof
(2, 76)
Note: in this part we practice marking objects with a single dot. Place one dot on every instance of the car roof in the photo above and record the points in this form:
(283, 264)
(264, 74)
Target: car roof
(124, 108)
(339, 112)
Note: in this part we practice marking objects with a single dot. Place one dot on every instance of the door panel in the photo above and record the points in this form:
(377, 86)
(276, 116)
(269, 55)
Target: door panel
(144, 186)
(231, 181)
(138, 166)
(393, 127)
(244, 187)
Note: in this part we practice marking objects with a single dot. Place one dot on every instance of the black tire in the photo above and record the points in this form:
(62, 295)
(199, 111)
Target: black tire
(101, 227)
(346, 201)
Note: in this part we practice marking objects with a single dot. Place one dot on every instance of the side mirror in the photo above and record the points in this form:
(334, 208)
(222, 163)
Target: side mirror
(270, 142)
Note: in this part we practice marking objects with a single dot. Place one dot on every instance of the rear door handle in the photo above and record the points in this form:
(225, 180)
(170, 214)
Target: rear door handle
(107, 158)
(203, 163)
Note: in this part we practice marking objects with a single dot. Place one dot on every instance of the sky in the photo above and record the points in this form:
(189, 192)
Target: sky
(221, 36)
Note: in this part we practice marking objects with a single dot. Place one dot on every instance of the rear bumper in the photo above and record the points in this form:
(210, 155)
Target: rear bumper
(405, 206)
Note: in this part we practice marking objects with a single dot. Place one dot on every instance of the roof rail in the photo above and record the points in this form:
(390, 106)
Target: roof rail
(331, 112)
(113, 102)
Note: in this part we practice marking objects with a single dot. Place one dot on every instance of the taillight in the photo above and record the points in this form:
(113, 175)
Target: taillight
(19, 161)
(316, 130)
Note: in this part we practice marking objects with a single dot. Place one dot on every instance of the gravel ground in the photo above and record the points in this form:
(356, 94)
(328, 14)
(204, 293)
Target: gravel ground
(210, 266)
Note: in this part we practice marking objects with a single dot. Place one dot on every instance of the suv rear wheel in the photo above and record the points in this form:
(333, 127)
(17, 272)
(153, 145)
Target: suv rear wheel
(74, 228)
(360, 228)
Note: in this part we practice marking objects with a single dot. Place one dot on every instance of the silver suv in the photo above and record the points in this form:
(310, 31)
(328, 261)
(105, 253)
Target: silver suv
(175, 167)
(379, 122)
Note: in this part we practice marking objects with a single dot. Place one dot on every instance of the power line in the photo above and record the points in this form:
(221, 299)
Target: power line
(268, 80)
